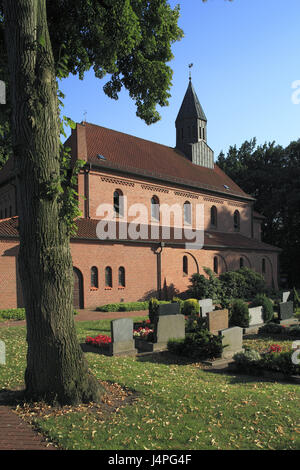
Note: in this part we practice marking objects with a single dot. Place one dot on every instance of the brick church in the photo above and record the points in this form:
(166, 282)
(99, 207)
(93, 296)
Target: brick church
(129, 174)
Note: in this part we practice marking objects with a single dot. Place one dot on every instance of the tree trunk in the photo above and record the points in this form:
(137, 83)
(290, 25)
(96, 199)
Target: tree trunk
(56, 369)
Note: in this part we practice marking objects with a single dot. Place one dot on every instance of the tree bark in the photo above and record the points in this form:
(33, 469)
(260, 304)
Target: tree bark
(56, 369)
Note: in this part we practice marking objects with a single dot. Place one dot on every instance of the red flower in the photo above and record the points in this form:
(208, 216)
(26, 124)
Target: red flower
(100, 340)
(275, 348)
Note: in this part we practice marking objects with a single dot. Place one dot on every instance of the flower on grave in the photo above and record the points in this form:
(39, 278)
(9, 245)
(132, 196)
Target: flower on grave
(274, 348)
(142, 332)
(100, 340)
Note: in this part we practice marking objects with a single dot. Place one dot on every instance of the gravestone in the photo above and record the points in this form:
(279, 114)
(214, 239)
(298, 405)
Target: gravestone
(122, 337)
(233, 340)
(217, 320)
(206, 305)
(166, 327)
(2, 352)
(285, 296)
(169, 309)
(256, 316)
(286, 310)
(169, 326)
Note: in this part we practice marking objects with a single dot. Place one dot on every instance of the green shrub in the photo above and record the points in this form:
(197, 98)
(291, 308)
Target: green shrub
(13, 314)
(274, 329)
(194, 323)
(234, 285)
(153, 308)
(191, 307)
(200, 287)
(247, 359)
(280, 362)
(296, 299)
(252, 361)
(255, 282)
(267, 306)
(239, 314)
(271, 329)
(123, 307)
(197, 345)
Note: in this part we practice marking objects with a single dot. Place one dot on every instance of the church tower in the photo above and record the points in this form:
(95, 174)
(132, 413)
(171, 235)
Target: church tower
(191, 132)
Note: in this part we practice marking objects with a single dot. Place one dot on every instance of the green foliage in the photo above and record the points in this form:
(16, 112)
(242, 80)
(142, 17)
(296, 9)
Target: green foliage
(13, 314)
(123, 307)
(153, 308)
(16, 314)
(270, 173)
(234, 284)
(190, 307)
(200, 287)
(274, 329)
(205, 287)
(296, 299)
(130, 40)
(197, 345)
(251, 361)
(194, 323)
(255, 283)
(239, 314)
(267, 306)
(247, 358)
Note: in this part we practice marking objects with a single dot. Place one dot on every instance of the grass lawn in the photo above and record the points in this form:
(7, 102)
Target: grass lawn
(176, 404)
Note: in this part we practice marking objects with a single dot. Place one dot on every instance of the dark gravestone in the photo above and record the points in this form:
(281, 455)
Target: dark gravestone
(169, 309)
(286, 310)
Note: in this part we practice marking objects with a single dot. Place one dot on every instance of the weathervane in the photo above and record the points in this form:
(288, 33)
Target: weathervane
(85, 113)
(190, 73)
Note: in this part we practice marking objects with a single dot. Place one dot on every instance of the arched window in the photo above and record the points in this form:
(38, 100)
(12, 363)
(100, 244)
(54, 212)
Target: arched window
(185, 267)
(187, 212)
(108, 276)
(241, 262)
(263, 266)
(155, 208)
(121, 276)
(216, 265)
(118, 202)
(213, 217)
(236, 221)
(94, 277)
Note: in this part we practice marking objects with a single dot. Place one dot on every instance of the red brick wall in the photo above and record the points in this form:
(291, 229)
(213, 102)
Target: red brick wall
(140, 263)
(102, 187)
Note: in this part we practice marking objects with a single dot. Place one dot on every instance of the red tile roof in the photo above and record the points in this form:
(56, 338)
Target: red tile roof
(86, 230)
(123, 151)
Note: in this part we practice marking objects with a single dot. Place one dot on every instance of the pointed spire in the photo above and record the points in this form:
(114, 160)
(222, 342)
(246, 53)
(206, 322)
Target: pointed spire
(191, 107)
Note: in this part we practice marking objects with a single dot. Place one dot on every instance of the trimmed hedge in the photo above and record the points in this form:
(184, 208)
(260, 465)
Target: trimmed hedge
(190, 307)
(239, 314)
(252, 362)
(13, 314)
(274, 329)
(124, 307)
(16, 314)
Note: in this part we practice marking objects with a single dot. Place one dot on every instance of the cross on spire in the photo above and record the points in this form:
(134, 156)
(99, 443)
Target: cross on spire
(190, 72)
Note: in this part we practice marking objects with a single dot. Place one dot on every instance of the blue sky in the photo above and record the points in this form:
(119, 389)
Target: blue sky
(246, 57)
